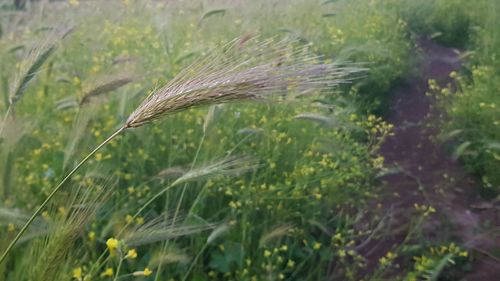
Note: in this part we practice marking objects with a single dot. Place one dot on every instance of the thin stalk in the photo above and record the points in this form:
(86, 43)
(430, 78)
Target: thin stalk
(157, 195)
(7, 113)
(56, 189)
(185, 185)
(199, 195)
(98, 264)
(194, 262)
(118, 269)
(165, 244)
(144, 207)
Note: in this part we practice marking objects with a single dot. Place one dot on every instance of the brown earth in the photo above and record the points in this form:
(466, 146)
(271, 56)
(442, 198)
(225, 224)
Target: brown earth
(426, 174)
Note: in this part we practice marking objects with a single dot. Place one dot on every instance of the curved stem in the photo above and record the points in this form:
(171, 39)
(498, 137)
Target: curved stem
(56, 189)
(7, 113)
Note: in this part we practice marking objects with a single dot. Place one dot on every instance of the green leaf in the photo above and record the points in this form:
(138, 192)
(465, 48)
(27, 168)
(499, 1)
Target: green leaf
(230, 259)
(328, 15)
(493, 145)
(31, 73)
(7, 174)
(184, 57)
(211, 13)
(434, 274)
(459, 151)
(5, 90)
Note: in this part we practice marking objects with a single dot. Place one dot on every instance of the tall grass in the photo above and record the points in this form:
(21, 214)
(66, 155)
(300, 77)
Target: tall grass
(217, 80)
(270, 188)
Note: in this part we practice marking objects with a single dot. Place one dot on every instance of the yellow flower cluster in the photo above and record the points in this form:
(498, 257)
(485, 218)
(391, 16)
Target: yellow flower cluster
(388, 259)
(425, 210)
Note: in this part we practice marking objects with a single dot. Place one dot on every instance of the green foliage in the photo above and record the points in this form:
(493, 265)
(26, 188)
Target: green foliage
(372, 34)
(448, 22)
(473, 111)
(302, 168)
(473, 116)
(295, 177)
(431, 263)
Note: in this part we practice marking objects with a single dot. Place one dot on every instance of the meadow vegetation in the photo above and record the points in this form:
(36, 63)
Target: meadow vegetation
(471, 116)
(272, 189)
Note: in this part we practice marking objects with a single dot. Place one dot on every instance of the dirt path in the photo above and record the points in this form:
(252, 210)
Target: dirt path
(426, 174)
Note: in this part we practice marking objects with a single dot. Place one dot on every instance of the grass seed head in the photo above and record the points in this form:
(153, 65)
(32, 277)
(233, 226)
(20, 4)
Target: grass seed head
(248, 70)
(228, 166)
(107, 85)
(162, 229)
(33, 62)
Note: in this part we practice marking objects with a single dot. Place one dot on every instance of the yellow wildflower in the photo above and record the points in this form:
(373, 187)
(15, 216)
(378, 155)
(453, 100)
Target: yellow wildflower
(98, 156)
(233, 205)
(129, 218)
(112, 244)
(46, 215)
(145, 272)
(77, 273)
(318, 196)
(62, 210)
(139, 220)
(383, 261)
(91, 236)
(131, 254)
(107, 273)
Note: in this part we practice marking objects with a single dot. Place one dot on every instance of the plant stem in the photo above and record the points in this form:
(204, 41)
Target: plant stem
(165, 244)
(118, 269)
(143, 207)
(194, 262)
(56, 189)
(7, 113)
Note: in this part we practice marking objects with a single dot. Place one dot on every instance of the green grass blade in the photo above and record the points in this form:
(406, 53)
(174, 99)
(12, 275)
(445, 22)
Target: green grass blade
(31, 73)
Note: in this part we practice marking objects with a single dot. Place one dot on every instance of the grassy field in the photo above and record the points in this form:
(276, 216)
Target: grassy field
(248, 136)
